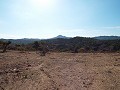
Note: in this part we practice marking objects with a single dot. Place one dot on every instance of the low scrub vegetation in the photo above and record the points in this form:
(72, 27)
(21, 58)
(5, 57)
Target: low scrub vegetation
(75, 45)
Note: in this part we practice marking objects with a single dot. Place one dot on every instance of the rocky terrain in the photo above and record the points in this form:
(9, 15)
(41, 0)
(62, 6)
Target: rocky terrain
(59, 71)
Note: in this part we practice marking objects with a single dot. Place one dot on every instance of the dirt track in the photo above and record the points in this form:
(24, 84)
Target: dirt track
(59, 71)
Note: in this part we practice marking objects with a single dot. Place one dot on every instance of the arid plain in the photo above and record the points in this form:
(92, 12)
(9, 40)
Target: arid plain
(59, 71)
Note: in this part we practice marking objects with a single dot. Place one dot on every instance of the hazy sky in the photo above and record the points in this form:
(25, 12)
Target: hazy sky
(49, 18)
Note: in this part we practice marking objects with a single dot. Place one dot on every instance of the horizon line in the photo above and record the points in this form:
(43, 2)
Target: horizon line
(65, 36)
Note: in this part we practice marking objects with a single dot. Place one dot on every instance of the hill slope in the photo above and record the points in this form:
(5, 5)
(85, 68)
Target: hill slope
(107, 37)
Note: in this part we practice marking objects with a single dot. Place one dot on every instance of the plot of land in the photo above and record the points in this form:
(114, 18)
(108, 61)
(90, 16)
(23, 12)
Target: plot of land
(59, 71)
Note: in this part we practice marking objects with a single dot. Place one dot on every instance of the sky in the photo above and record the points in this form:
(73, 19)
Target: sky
(49, 18)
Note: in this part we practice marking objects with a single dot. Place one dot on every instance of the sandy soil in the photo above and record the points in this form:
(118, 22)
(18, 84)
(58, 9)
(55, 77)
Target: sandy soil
(59, 71)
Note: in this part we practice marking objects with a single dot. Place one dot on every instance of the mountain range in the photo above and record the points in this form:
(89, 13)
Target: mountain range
(107, 37)
(31, 40)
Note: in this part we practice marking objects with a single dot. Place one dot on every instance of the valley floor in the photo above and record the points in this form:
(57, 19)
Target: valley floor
(59, 71)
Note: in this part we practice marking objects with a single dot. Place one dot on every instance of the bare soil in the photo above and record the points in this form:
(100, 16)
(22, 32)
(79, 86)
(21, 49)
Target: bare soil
(59, 71)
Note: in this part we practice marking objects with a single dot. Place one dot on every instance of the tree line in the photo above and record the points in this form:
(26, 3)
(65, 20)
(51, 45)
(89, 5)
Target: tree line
(75, 45)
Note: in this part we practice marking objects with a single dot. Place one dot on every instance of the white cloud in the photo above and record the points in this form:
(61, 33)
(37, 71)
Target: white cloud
(114, 27)
(9, 36)
(49, 33)
(91, 32)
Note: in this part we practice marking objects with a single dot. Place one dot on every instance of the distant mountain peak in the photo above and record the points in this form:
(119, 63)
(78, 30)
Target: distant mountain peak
(61, 36)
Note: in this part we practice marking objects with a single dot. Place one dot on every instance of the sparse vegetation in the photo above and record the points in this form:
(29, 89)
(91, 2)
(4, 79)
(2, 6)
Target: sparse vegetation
(42, 47)
(4, 45)
(76, 45)
(80, 44)
(24, 65)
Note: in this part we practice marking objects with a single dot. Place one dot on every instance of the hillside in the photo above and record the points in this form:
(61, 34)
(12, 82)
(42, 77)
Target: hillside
(107, 37)
(76, 44)
(21, 41)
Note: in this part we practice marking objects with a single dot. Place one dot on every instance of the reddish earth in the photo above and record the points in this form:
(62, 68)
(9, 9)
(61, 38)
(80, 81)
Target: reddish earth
(59, 71)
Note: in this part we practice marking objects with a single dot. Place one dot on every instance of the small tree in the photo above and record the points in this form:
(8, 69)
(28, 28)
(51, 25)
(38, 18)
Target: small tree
(76, 49)
(36, 45)
(5, 45)
(42, 47)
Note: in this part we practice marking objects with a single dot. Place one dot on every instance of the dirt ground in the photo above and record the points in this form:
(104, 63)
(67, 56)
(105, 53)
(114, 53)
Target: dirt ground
(59, 71)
